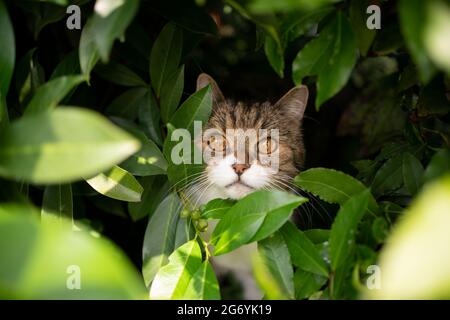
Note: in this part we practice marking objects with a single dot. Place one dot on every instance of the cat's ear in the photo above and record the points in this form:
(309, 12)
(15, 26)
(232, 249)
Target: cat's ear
(203, 80)
(294, 102)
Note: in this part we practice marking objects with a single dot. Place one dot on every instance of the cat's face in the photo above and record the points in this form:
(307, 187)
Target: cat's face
(255, 146)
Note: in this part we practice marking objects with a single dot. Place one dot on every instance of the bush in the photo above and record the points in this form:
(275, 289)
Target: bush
(86, 118)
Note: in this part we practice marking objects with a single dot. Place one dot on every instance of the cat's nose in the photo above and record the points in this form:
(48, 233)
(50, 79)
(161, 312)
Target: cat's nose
(240, 168)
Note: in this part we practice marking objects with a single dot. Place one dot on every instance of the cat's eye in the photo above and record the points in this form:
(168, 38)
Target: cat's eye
(217, 142)
(267, 146)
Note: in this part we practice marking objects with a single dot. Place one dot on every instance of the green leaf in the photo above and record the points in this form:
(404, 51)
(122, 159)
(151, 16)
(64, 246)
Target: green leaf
(438, 166)
(171, 93)
(275, 55)
(119, 74)
(159, 239)
(217, 208)
(253, 218)
(358, 20)
(127, 104)
(331, 57)
(87, 51)
(388, 177)
(203, 284)
(410, 12)
(69, 65)
(165, 56)
(49, 95)
(263, 6)
(57, 204)
(196, 108)
(420, 241)
(118, 184)
(412, 171)
(332, 186)
(172, 280)
(149, 118)
(155, 189)
(307, 283)
(275, 255)
(317, 235)
(42, 261)
(303, 252)
(343, 230)
(110, 23)
(4, 118)
(436, 31)
(380, 229)
(8, 51)
(71, 143)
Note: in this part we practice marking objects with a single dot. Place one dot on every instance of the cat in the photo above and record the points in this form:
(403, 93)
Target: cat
(228, 177)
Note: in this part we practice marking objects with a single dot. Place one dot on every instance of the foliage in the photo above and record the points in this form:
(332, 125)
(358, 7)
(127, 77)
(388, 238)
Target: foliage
(85, 135)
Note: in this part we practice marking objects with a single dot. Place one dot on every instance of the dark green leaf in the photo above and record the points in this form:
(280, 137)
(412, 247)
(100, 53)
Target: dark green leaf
(8, 51)
(253, 218)
(69, 65)
(171, 93)
(412, 171)
(438, 166)
(303, 252)
(275, 55)
(343, 230)
(128, 103)
(389, 176)
(358, 19)
(307, 283)
(119, 74)
(165, 56)
(149, 119)
(71, 143)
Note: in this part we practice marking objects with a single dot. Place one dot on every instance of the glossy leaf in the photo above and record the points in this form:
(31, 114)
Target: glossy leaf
(149, 117)
(275, 255)
(159, 239)
(87, 51)
(71, 143)
(303, 252)
(110, 23)
(203, 284)
(165, 56)
(172, 280)
(50, 259)
(119, 74)
(117, 184)
(358, 20)
(171, 93)
(8, 51)
(389, 176)
(217, 208)
(253, 218)
(412, 171)
(331, 57)
(49, 95)
(343, 230)
(275, 55)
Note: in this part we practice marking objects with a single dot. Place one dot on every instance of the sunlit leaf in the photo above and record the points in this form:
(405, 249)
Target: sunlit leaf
(203, 284)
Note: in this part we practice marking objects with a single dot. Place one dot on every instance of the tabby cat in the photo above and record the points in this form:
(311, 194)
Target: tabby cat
(227, 177)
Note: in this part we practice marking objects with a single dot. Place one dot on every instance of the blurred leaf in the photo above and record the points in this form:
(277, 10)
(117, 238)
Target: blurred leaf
(274, 254)
(155, 189)
(4, 118)
(410, 12)
(303, 252)
(217, 208)
(307, 283)
(41, 261)
(420, 242)
(87, 51)
(432, 99)
(412, 171)
(332, 186)
(358, 18)
(165, 56)
(69, 65)
(331, 57)
(29, 76)
(275, 55)
(172, 280)
(437, 29)
(389, 176)
(203, 284)
(159, 239)
(196, 108)
(57, 205)
(110, 23)
(263, 6)
(119, 74)
(380, 229)
(343, 230)
(171, 93)
(187, 15)
(8, 51)
(49, 95)
(317, 235)
(71, 143)
(438, 166)
(253, 218)
(118, 184)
